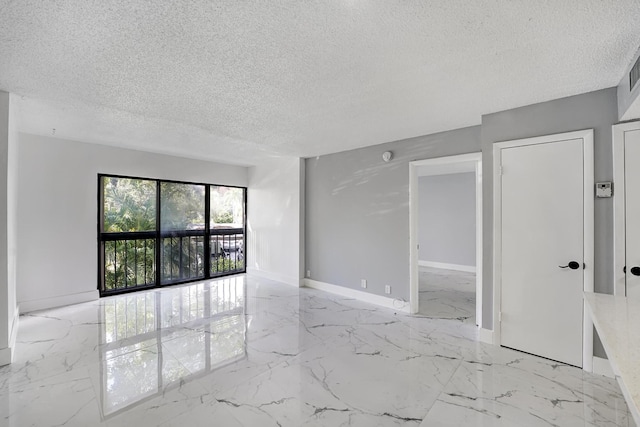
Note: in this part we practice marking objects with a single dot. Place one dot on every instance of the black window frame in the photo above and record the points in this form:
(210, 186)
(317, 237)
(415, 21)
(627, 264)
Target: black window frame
(158, 235)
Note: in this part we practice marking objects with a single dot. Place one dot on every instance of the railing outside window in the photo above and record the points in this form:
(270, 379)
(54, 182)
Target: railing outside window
(128, 262)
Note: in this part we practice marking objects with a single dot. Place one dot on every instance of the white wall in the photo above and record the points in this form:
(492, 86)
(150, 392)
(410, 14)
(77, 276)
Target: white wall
(12, 218)
(275, 220)
(8, 311)
(447, 219)
(5, 306)
(57, 210)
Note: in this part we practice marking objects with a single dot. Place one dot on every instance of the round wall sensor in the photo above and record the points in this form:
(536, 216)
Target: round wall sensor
(387, 155)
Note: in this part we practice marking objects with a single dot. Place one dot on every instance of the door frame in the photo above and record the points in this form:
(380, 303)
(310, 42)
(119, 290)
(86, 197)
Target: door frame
(442, 166)
(588, 220)
(619, 205)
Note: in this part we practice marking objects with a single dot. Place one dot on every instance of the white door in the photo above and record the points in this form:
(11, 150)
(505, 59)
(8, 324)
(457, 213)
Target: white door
(542, 248)
(632, 211)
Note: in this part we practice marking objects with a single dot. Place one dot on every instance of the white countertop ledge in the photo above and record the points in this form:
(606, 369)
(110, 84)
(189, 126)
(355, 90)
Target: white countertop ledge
(617, 320)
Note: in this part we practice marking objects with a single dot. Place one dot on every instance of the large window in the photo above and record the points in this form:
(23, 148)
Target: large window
(154, 232)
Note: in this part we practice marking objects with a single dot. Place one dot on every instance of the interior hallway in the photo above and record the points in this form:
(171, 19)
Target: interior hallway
(243, 351)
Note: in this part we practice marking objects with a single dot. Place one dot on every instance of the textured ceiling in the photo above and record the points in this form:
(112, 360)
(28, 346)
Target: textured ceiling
(238, 80)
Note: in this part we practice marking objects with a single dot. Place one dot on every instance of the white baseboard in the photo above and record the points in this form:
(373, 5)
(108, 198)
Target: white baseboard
(485, 335)
(387, 302)
(445, 266)
(602, 366)
(275, 276)
(44, 303)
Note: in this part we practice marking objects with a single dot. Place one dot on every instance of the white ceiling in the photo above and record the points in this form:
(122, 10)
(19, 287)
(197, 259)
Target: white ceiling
(239, 80)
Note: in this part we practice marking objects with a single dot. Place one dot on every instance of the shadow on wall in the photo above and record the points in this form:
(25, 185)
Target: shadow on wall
(382, 203)
(357, 210)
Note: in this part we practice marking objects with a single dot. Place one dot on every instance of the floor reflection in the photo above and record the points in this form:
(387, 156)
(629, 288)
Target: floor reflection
(303, 357)
(153, 341)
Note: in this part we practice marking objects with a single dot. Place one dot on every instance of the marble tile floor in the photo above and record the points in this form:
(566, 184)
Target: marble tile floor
(244, 351)
(447, 294)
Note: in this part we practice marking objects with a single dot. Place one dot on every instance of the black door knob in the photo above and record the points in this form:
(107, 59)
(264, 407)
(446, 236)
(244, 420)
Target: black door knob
(635, 271)
(574, 265)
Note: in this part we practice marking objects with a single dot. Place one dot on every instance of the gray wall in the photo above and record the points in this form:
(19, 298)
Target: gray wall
(594, 110)
(357, 211)
(358, 207)
(447, 218)
(626, 96)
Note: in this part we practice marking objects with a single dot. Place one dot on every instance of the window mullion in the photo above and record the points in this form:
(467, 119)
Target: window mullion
(207, 232)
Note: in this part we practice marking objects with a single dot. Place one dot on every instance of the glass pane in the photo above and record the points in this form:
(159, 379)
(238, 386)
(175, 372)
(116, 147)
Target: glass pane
(129, 263)
(227, 253)
(227, 207)
(182, 258)
(181, 206)
(128, 205)
(182, 210)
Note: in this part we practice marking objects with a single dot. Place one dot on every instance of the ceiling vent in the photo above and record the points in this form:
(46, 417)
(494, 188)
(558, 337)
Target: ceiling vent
(634, 74)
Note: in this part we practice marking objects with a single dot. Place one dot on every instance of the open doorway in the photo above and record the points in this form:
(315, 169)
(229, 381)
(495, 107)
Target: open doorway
(447, 274)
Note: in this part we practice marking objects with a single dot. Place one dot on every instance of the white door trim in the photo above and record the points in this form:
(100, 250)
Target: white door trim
(440, 166)
(619, 231)
(587, 137)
